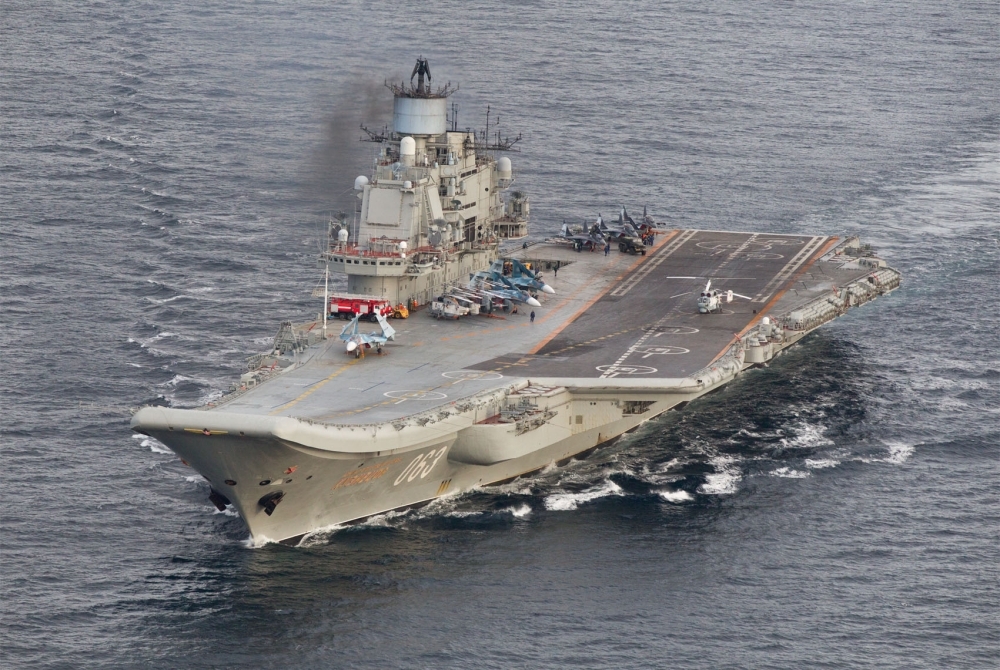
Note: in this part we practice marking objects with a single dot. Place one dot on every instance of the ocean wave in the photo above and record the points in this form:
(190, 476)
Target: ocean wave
(564, 502)
(165, 301)
(518, 512)
(177, 379)
(152, 444)
(806, 436)
(150, 340)
(675, 496)
(820, 463)
(725, 479)
(899, 452)
(788, 473)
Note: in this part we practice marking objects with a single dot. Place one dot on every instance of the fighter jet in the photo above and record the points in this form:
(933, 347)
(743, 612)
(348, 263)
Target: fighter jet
(711, 299)
(520, 276)
(647, 219)
(616, 232)
(357, 342)
(501, 287)
(592, 239)
(646, 224)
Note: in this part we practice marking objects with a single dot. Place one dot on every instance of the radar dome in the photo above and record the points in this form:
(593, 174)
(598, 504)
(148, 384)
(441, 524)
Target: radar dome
(342, 235)
(503, 167)
(407, 146)
(360, 183)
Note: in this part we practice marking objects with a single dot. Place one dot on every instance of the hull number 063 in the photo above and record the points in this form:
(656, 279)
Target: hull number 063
(420, 466)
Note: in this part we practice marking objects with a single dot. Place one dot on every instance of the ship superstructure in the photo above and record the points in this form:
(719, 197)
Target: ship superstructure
(436, 207)
(313, 436)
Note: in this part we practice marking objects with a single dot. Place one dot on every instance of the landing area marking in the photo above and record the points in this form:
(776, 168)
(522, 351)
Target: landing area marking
(672, 330)
(403, 396)
(472, 375)
(661, 351)
(614, 370)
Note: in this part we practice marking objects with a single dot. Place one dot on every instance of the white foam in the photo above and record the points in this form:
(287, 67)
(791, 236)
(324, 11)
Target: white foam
(258, 543)
(194, 478)
(806, 436)
(166, 300)
(520, 487)
(177, 379)
(788, 473)
(820, 463)
(320, 536)
(675, 496)
(898, 452)
(724, 480)
(156, 446)
(155, 338)
(564, 502)
(520, 511)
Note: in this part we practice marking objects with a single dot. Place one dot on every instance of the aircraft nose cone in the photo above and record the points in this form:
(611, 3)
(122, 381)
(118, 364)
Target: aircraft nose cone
(548, 289)
(351, 346)
(534, 303)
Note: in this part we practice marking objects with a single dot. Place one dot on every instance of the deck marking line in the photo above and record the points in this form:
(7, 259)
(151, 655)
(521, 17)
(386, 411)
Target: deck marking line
(548, 338)
(315, 387)
(763, 310)
(612, 370)
(790, 267)
(664, 252)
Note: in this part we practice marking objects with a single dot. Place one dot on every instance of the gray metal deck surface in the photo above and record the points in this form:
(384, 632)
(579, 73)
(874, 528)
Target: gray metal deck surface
(611, 316)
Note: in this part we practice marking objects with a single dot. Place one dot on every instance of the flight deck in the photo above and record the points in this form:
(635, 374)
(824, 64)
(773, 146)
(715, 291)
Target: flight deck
(613, 316)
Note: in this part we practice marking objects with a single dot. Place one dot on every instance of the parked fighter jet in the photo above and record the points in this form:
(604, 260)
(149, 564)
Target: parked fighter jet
(358, 342)
(647, 219)
(520, 276)
(711, 299)
(591, 239)
(501, 287)
(617, 232)
(646, 224)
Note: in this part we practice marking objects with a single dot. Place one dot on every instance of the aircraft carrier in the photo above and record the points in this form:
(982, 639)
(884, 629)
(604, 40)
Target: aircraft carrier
(312, 436)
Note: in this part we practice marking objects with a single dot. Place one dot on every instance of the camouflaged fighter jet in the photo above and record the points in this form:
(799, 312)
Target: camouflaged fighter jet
(357, 342)
(520, 276)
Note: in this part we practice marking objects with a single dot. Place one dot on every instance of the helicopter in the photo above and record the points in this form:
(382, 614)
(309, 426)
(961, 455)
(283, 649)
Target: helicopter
(712, 299)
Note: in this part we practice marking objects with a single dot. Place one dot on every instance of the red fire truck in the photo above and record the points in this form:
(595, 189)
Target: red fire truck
(346, 306)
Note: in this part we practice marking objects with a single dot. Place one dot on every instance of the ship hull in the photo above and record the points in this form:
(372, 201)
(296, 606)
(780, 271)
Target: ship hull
(452, 406)
(323, 488)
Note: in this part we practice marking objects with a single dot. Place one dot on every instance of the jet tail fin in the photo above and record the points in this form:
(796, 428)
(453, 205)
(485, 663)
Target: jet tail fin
(351, 328)
(388, 331)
